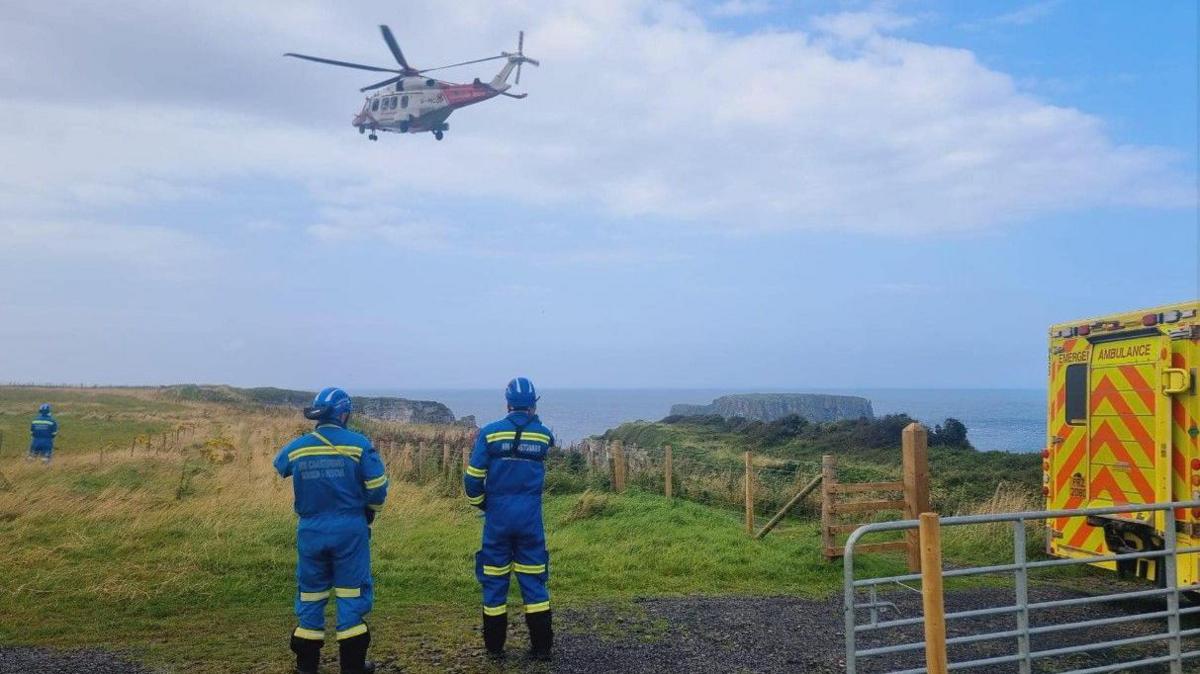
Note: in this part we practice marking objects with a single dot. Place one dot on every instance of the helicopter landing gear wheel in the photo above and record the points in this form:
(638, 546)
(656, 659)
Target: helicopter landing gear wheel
(439, 135)
(373, 136)
(362, 130)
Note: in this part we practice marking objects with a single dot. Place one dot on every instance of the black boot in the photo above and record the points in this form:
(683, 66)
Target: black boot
(308, 654)
(495, 631)
(353, 655)
(541, 634)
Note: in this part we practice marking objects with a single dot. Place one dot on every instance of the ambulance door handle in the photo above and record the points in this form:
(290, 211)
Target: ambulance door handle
(1176, 380)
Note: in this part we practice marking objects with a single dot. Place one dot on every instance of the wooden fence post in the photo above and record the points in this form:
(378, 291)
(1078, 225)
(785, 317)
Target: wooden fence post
(932, 593)
(749, 495)
(915, 450)
(667, 471)
(828, 480)
(618, 454)
(446, 458)
(466, 461)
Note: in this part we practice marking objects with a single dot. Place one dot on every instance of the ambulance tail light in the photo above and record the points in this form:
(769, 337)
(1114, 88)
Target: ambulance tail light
(1195, 464)
(1045, 491)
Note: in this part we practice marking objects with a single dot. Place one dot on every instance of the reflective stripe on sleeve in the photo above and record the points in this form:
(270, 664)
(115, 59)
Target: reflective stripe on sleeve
(475, 500)
(497, 570)
(375, 506)
(528, 568)
(314, 596)
(358, 629)
(476, 472)
(538, 607)
(315, 635)
(347, 592)
(495, 610)
(377, 482)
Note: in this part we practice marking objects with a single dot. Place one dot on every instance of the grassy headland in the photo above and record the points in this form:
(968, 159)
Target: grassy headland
(162, 530)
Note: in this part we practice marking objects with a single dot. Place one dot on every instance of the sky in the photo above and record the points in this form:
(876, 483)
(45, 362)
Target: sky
(737, 193)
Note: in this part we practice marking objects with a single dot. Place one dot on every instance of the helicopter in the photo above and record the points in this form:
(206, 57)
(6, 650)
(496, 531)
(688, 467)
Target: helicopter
(411, 102)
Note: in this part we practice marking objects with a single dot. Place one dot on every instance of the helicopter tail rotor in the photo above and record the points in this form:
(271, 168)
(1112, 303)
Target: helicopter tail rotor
(519, 57)
(520, 52)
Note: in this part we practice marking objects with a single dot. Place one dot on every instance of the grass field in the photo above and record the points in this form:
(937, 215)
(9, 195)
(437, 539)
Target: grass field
(161, 549)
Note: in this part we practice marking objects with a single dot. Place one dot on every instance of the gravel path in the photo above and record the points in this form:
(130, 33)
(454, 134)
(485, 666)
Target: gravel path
(718, 635)
(784, 634)
(20, 660)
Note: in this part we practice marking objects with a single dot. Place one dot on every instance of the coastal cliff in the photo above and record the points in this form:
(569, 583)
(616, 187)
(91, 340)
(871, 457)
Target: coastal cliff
(771, 406)
(386, 409)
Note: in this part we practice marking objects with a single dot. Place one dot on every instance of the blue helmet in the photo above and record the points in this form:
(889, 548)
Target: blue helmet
(520, 394)
(44, 409)
(329, 405)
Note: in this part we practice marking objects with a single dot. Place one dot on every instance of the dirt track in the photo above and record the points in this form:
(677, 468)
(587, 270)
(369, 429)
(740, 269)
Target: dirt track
(728, 634)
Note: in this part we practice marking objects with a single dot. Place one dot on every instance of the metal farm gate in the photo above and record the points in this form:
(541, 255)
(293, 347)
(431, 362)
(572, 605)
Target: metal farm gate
(883, 634)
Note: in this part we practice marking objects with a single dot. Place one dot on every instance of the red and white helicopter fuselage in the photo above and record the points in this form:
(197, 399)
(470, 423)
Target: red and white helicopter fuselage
(411, 102)
(422, 104)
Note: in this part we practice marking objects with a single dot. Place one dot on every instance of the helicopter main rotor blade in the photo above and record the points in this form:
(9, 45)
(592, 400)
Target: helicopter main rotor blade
(344, 64)
(395, 47)
(390, 80)
(464, 63)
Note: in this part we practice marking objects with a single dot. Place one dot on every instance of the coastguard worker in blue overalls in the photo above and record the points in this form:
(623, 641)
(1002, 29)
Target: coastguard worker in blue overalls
(339, 484)
(504, 479)
(41, 435)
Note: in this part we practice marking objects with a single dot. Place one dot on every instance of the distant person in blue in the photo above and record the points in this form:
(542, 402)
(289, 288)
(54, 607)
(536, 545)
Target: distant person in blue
(41, 435)
(339, 484)
(504, 479)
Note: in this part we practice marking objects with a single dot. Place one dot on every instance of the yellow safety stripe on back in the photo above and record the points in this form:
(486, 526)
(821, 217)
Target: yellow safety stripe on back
(476, 472)
(314, 596)
(497, 570)
(538, 607)
(317, 450)
(495, 610)
(346, 450)
(42, 421)
(528, 568)
(512, 435)
(315, 635)
(475, 500)
(347, 592)
(377, 482)
(358, 629)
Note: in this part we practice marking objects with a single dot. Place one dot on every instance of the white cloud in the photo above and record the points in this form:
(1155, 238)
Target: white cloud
(639, 109)
(1028, 14)
(81, 247)
(736, 8)
(377, 223)
(860, 25)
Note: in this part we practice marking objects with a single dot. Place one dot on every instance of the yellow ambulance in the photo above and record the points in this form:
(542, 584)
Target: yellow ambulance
(1123, 416)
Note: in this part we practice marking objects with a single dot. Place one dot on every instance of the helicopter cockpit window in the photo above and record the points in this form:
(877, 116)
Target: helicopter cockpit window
(404, 101)
(375, 105)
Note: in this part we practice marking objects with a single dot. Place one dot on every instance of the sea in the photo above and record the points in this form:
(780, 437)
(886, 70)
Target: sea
(1010, 420)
